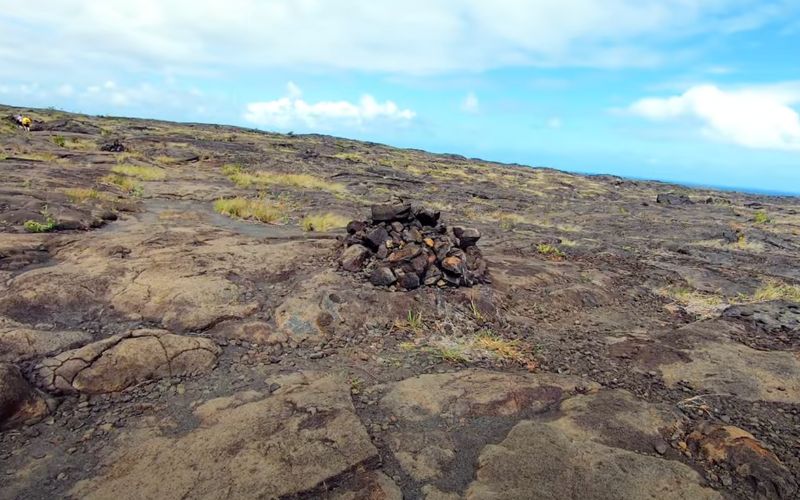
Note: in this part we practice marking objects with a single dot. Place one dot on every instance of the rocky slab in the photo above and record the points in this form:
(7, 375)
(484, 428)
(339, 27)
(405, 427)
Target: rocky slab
(123, 360)
(248, 445)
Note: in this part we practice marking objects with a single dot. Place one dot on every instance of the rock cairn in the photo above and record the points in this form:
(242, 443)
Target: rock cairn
(407, 247)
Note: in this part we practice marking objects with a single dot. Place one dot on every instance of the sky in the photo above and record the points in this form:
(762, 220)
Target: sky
(701, 92)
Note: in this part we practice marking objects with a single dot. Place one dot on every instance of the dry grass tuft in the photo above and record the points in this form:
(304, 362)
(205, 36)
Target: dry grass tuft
(244, 208)
(263, 179)
(704, 305)
(80, 195)
(323, 222)
(506, 349)
(776, 290)
(125, 183)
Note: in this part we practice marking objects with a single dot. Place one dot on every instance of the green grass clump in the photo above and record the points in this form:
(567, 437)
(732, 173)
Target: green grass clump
(776, 290)
(549, 250)
(244, 208)
(760, 217)
(59, 141)
(33, 226)
(140, 172)
(125, 183)
(323, 222)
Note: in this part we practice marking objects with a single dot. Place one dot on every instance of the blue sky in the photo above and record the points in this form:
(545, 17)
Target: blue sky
(694, 91)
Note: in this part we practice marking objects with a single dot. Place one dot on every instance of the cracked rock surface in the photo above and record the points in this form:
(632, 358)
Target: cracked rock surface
(123, 360)
(261, 445)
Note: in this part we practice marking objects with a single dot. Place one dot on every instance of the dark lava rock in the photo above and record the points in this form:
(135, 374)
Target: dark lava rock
(409, 281)
(730, 236)
(113, 147)
(356, 226)
(453, 265)
(354, 257)
(773, 316)
(673, 199)
(410, 252)
(406, 253)
(467, 236)
(426, 216)
(391, 212)
(382, 276)
(377, 238)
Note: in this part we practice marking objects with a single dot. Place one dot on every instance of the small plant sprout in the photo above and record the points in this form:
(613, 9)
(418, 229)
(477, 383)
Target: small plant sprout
(48, 225)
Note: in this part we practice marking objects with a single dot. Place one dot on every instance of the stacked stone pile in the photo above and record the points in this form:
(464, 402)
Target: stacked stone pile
(406, 247)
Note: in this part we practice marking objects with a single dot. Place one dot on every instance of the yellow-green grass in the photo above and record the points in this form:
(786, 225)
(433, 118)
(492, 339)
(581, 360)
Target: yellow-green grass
(323, 222)
(506, 349)
(80, 195)
(244, 208)
(124, 182)
(776, 290)
(140, 172)
(264, 178)
(549, 250)
(702, 304)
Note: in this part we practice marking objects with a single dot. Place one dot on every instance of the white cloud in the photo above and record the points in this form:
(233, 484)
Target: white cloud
(756, 117)
(470, 104)
(292, 110)
(411, 37)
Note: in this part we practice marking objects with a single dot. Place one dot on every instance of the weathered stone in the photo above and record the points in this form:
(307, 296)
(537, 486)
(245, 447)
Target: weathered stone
(432, 275)
(673, 199)
(419, 264)
(356, 226)
(18, 343)
(426, 216)
(123, 360)
(409, 281)
(467, 236)
(382, 276)
(20, 403)
(406, 253)
(249, 445)
(376, 238)
(382, 252)
(397, 227)
(737, 450)
(412, 235)
(453, 265)
(371, 485)
(354, 258)
(390, 212)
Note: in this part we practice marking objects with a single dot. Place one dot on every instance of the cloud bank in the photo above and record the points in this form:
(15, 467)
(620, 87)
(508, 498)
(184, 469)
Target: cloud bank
(755, 117)
(293, 111)
(412, 37)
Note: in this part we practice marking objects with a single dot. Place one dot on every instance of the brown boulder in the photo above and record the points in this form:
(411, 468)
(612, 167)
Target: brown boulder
(20, 403)
(467, 236)
(121, 361)
(406, 253)
(390, 212)
(354, 257)
(741, 452)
